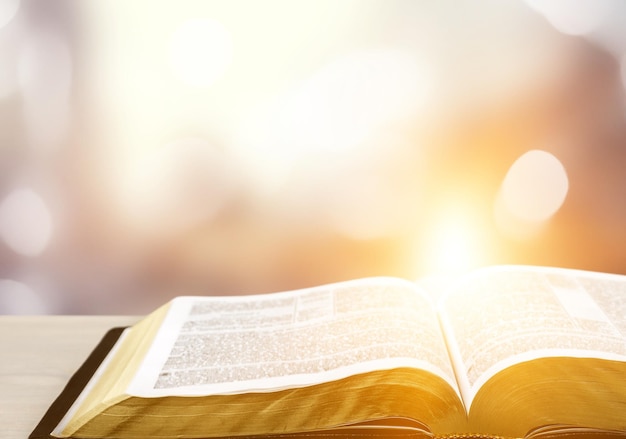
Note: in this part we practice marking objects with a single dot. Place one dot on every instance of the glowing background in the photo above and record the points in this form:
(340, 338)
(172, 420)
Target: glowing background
(151, 149)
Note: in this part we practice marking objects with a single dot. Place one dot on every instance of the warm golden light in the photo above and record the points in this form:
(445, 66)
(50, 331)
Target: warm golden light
(454, 245)
(25, 222)
(200, 52)
(533, 190)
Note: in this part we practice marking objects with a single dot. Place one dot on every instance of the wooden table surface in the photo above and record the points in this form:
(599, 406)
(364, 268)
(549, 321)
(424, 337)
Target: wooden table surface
(38, 355)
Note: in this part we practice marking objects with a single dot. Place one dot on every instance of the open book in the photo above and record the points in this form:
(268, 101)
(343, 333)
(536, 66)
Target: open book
(509, 352)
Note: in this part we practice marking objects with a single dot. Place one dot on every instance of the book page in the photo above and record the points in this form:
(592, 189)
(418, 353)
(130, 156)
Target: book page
(507, 315)
(223, 345)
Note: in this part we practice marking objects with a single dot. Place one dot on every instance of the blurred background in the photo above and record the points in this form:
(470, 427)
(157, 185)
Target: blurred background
(153, 149)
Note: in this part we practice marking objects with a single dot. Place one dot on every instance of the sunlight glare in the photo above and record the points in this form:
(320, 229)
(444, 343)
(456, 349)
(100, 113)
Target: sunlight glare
(453, 246)
(201, 50)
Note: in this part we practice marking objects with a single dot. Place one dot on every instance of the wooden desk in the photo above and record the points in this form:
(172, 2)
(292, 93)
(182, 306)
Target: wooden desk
(37, 357)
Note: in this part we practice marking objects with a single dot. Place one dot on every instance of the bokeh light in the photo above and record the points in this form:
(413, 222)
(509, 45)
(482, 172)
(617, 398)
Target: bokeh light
(18, 298)
(533, 190)
(25, 222)
(155, 149)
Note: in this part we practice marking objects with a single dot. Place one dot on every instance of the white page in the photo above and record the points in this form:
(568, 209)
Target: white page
(506, 315)
(224, 345)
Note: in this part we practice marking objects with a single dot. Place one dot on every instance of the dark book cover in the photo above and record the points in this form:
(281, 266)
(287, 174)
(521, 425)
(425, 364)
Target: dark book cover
(75, 386)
